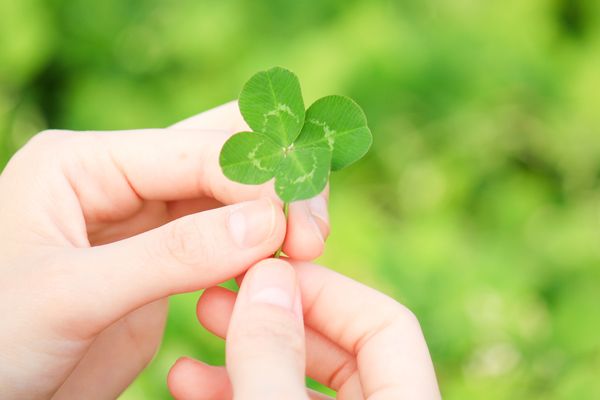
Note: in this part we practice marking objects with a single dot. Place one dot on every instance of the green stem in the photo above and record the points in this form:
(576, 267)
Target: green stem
(286, 210)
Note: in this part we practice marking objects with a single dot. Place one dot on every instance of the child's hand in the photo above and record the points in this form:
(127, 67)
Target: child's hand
(98, 228)
(356, 341)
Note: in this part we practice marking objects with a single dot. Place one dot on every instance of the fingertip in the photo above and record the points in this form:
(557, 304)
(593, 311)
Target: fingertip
(318, 209)
(225, 117)
(176, 366)
(302, 248)
(258, 224)
(308, 228)
(265, 340)
(302, 244)
(271, 262)
(192, 379)
(175, 378)
(271, 281)
(214, 309)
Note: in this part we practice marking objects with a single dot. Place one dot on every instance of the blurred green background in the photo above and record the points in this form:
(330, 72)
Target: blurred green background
(479, 204)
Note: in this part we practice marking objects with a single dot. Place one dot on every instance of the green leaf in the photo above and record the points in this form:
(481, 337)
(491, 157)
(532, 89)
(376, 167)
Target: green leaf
(299, 149)
(271, 102)
(338, 123)
(250, 157)
(302, 174)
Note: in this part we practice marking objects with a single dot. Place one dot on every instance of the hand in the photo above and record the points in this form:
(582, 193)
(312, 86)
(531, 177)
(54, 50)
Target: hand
(358, 342)
(98, 228)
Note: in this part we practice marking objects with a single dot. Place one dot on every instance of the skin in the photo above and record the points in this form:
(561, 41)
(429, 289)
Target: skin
(99, 228)
(349, 337)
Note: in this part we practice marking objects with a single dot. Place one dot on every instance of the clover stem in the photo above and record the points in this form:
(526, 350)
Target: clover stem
(286, 210)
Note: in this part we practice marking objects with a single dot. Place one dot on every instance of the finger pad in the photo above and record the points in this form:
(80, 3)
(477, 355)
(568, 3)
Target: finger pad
(190, 379)
(214, 309)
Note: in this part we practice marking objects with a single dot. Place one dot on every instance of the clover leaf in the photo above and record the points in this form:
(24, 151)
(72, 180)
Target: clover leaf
(297, 148)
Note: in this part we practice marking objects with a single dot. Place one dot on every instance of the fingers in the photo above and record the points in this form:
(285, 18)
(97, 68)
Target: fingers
(189, 379)
(117, 355)
(309, 228)
(265, 341)
(112, 176)
(326, 362)
(185, 165)
(168, 165)
(392, 356)
(116, 172)
(309, 220)
(384, 336)
(181, 162)
(226, 117)
(190, 253)
(193, 380)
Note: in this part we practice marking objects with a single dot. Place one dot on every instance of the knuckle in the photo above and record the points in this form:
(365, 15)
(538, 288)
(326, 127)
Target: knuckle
(395, 318)
(405, 317)
(145, 333)
(272, 330)
(185, 243)
(341, 373)
(37, 147)
(50, 145)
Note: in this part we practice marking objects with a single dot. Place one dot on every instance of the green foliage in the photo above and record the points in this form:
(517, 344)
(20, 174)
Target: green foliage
(271, 102)
(479, 206)
(302, 174)
(250, 157)
(297, 149)
(340, 125)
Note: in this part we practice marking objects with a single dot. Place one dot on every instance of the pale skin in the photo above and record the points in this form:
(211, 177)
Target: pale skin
(99, 228)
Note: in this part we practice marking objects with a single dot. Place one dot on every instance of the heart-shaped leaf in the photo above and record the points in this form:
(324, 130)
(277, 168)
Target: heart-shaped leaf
(338, 123)
(298, 149)
(302, 174)
(250, 157)
(271, 102)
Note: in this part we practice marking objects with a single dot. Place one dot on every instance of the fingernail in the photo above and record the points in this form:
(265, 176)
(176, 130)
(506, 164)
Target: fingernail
(273, 283)
(251, 223)
(317, 206)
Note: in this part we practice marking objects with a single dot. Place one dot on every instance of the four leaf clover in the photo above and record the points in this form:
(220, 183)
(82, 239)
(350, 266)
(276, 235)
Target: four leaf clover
(296, 147)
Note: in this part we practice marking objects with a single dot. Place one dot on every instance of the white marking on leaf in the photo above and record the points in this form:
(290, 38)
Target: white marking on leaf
(281, 108)
(308, 175)
(255, 161)
(329, 133)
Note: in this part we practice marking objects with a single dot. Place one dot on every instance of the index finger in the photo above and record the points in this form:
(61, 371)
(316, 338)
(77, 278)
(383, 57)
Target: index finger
(226, 117)
(391, 353)
(182, 163)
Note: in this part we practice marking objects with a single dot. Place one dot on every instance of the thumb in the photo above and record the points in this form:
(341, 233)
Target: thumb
(265, 341)
(188, 254)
